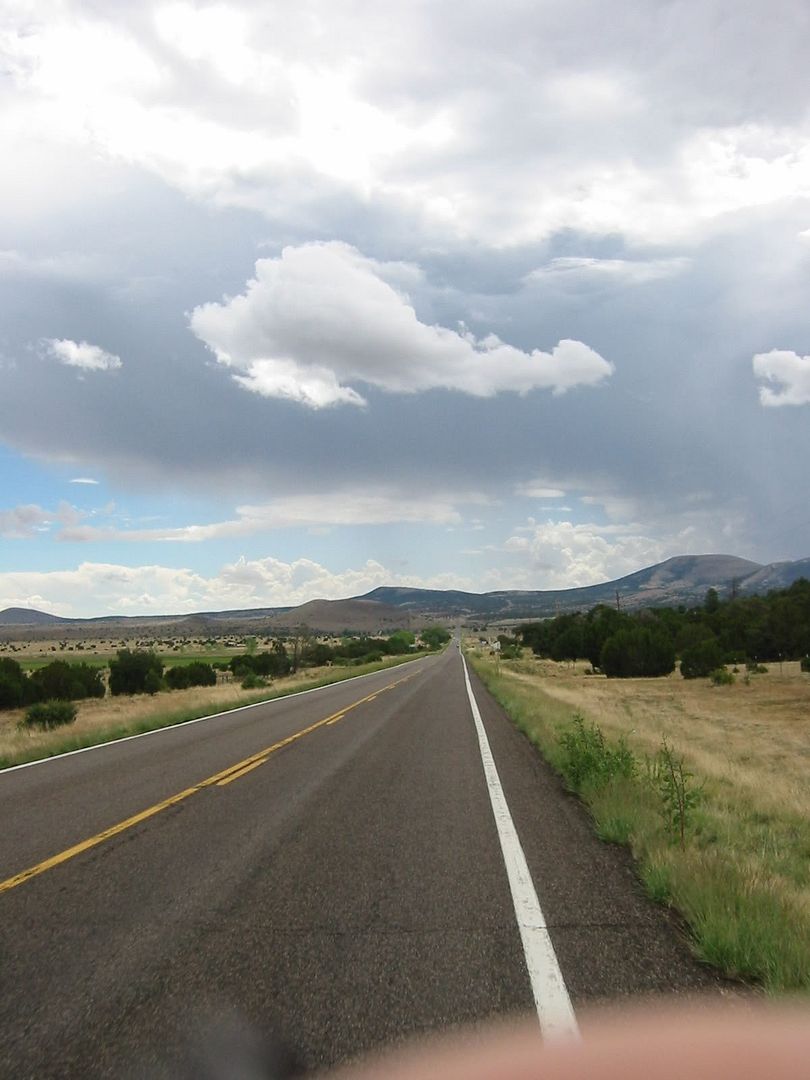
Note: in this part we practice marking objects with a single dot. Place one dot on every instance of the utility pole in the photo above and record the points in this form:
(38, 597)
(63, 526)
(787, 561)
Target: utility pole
(618, 601)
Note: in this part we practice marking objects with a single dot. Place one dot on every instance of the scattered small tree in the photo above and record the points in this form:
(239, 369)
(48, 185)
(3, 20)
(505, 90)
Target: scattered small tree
(435, 636)
(13, 684)
(130, 672)
(678, 795)
(701, 659)
(198, 673)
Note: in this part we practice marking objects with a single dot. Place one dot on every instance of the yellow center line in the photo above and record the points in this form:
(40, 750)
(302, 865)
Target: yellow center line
(233, 772)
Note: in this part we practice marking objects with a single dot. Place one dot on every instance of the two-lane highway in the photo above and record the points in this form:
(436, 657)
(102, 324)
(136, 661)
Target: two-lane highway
(327, 867)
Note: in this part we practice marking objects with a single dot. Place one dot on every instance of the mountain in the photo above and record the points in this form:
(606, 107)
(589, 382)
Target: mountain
(680, 580)
(334, 616)
(18, 616)
(683, 579)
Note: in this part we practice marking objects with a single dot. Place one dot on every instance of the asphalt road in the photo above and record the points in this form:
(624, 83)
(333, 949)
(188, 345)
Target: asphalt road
(326, 868)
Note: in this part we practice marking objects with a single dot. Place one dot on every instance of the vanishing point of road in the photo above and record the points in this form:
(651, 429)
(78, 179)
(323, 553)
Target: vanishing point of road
(341, 870)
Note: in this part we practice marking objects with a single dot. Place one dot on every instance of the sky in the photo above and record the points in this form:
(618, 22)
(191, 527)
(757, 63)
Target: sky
(297, 300)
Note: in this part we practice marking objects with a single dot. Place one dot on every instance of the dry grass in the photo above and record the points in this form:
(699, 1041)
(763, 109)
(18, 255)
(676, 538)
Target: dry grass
(751, 738)
(743, 879)
(127, 711)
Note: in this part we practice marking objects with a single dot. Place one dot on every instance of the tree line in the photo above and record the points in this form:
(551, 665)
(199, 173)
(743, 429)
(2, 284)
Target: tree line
(743, 630)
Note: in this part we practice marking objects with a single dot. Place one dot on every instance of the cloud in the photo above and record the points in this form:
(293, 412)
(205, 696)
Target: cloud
(537, 489)
(322, 316)
(562, 555)
(96, 589)
(21, 522)
(343, 508)
(630, 128)
(579, 270)
(83, 480)
(81, 355)
(789, 376)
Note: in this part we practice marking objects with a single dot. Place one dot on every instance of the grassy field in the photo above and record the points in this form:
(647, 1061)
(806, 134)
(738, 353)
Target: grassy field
(104, 719)
(98, 652)
(742, 877)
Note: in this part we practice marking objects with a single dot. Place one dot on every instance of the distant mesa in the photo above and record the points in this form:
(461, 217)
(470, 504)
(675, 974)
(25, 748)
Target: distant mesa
(683, 579)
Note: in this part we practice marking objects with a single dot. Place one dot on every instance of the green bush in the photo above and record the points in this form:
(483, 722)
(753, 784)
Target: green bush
(700, 660)
(61, 681)
(753, 668)
(252, 681)
(434, 636)
(198, 673)
(588, 760)
(721, 677)
(275, 662)
(805, 663)
(153, 683)
(50, 714)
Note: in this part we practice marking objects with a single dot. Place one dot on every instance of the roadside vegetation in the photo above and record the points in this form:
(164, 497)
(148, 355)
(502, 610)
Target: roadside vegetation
(706, 783)
(140, 689)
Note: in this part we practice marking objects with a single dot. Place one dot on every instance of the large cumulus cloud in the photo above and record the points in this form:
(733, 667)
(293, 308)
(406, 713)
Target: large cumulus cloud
(322, 317)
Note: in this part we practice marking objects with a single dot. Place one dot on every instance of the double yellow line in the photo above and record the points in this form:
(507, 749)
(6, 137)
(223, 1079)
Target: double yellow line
(220, 779)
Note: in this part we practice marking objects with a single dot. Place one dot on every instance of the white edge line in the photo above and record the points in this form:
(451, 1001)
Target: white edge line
(200, 719)
(554, 1010)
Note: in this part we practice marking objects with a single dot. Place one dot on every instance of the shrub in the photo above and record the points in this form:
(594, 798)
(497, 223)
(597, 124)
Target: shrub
(679, 796)
(400, 642)
(197, 673)
(805, 665)
(698, 661)
(721, 677)
(177, 677)
(50, 714)
(61, 681)
(318, 654)
(153, 682)
(753, 668)
(252, 681)
(275, 662)
(588, 760)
